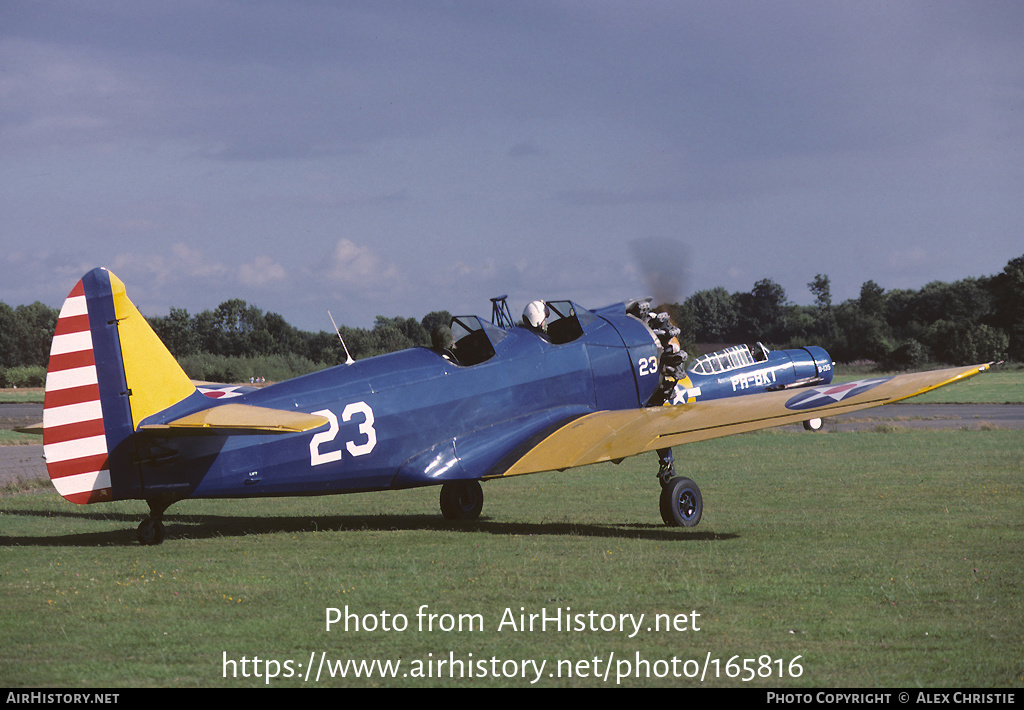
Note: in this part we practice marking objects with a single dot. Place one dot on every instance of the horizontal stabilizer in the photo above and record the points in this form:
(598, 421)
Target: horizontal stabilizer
(241, 419)
(30, 429)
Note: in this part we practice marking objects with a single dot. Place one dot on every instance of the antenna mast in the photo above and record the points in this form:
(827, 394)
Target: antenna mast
(348, 357)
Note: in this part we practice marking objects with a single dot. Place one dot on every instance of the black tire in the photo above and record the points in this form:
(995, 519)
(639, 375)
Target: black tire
(681, 503)
(150, 532)
(462, 500)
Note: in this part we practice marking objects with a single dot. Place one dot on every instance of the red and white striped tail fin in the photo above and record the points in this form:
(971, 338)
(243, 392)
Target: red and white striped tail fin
(74, 439)
(108, 372)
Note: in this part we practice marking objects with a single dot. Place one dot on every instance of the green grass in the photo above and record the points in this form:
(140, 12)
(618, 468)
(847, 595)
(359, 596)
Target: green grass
(992, 387)
(877, 559)
(14, 438)
(25, 395)
(996, 386)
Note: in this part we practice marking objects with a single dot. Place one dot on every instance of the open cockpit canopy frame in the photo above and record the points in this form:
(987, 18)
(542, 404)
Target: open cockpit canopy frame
(731, 358)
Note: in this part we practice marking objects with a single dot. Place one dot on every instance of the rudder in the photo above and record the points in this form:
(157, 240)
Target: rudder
(107, 372)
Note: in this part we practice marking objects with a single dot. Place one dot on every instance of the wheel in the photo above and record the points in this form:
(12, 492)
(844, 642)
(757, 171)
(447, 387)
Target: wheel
(462, 500)
(812, 425)
(150, 532)
(681, 503)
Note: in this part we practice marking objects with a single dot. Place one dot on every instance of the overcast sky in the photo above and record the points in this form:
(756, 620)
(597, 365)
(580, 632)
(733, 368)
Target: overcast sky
(397, 158)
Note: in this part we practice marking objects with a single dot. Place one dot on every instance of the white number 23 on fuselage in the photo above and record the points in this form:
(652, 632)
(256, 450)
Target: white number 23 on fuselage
(356, 448)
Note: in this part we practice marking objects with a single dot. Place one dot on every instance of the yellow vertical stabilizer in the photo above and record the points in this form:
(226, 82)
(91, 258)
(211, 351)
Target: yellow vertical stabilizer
(154, 378)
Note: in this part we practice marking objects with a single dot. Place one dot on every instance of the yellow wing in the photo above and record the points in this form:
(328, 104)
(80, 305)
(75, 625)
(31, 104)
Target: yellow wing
(613, 435)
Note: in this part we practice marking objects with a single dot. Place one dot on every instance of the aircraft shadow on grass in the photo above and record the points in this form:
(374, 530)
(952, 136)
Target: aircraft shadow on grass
(205, 527)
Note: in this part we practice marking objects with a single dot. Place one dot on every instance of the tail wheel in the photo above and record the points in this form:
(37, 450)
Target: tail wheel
(150, 532)
(681, 503)
(462, 500)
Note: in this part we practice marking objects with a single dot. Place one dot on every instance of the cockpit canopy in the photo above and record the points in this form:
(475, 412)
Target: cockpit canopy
(474, 339)
(566, 321)
(728, 359)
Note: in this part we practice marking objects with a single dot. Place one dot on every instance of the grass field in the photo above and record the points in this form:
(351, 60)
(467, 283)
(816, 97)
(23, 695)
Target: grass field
(14, 438)
(855, 559)
(996, 386)
(14, 394)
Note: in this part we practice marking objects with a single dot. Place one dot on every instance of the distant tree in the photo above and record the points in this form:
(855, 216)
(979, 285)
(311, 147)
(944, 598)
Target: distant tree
(821, 288)
(990, 344)
(1007, 290)
(35, 324)
(10, 341)
(233, 328)
(283, 337)
(825, 317)
(901, 314)
(387, 337)
(802, 327)
(862, 336)
(235, 316)
(714, 314)
(177, 332)
(872, 299)
(761, 314)
(962, 343)
(434, 319)
(414, 331)
(968, 300)
(208, 337)
(910, 355)
(325, 348)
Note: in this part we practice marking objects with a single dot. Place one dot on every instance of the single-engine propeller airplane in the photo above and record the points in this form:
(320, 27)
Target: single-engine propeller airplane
(492, 399)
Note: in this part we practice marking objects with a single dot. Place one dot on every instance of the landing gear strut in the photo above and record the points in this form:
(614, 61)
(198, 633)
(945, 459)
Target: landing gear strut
(151, 530)
(667, 468)
(681, 503)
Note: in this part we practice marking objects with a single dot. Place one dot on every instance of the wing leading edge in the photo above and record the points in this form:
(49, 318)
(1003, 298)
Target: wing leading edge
(613, 435)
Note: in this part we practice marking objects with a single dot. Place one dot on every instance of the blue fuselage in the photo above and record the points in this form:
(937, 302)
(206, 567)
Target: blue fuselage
(410, 418)
(724, 374)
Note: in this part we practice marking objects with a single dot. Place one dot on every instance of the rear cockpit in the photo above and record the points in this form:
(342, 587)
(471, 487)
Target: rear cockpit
(731, 358)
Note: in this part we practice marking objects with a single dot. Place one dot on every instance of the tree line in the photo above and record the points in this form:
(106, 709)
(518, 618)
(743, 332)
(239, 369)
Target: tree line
(234, 342)
(973, 320)
(969, 321)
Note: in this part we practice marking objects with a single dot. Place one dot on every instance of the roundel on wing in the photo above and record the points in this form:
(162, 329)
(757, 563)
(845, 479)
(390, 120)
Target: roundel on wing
(831, 394)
